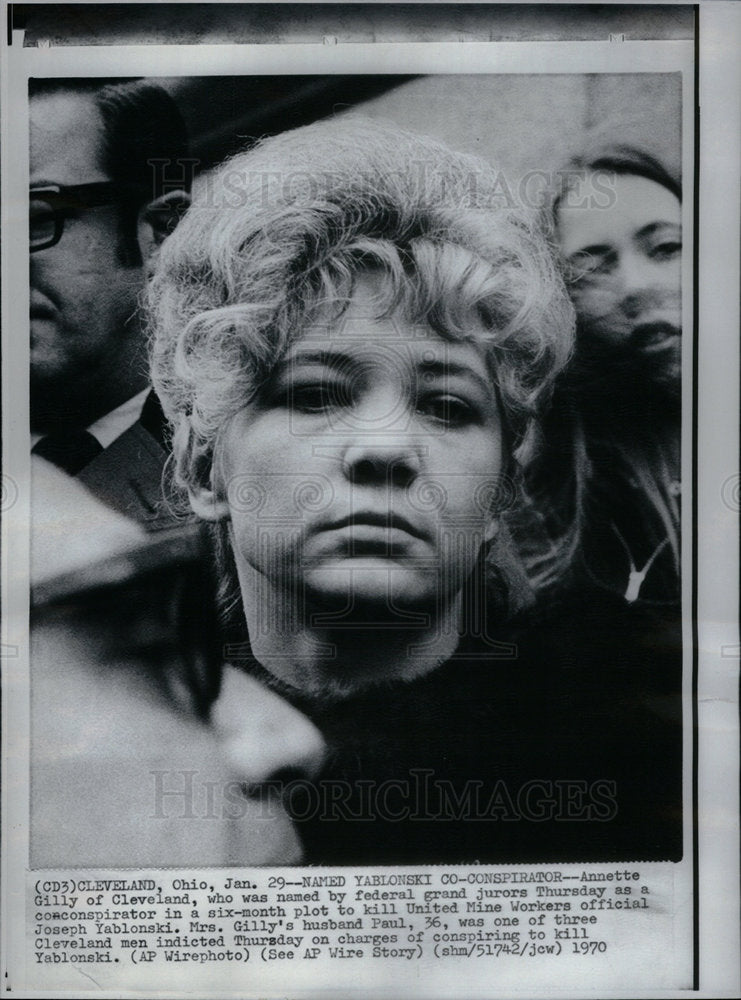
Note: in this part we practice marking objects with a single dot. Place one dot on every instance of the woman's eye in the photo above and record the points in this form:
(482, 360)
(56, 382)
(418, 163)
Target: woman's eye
(449, 410)
(582, 266)
(317, 397)
(667, 250)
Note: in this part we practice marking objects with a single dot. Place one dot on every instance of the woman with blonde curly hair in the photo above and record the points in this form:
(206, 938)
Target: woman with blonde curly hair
(353, 340)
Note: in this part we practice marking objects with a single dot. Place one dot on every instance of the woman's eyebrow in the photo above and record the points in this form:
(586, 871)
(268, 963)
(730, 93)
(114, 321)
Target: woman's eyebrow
(653, 227)
(328, 359)
(340, 360)
(445, 369)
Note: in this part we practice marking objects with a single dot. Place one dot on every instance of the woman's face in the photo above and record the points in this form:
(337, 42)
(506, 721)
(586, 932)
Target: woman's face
(363, 473)
(625, 264)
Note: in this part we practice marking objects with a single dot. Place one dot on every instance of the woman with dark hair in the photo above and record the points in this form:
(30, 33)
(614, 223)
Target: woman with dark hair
(353, 348)
(616, 417)
(603, 548)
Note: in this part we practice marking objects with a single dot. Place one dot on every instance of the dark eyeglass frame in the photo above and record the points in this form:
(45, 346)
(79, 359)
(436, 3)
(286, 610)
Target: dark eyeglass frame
(63, 199)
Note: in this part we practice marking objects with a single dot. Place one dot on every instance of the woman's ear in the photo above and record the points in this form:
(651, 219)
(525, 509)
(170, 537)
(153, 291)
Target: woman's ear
(207, 504)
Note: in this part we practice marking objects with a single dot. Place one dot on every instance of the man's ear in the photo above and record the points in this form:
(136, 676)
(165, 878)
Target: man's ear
(207, 504)
(157, 220)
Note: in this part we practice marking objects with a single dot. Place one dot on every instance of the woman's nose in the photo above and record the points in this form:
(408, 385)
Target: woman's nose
(637, 280)
(380, 448)
(382, 460)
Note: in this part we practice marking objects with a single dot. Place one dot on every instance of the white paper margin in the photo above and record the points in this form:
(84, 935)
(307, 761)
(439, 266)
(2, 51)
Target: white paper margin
(720, 85)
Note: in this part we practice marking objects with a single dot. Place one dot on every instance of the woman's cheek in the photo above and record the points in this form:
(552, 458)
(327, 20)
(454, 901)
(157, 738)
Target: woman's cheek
(595, 301)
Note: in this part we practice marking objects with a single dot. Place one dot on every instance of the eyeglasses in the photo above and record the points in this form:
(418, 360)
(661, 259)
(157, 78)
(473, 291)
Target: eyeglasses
(49, 206)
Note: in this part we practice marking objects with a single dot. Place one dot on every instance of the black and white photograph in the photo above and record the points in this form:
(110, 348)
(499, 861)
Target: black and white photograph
(353, 457)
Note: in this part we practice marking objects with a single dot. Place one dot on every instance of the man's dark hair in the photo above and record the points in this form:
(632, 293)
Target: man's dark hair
(141, 125)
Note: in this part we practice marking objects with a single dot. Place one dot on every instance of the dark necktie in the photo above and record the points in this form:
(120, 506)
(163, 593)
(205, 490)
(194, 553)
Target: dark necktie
(70, 450)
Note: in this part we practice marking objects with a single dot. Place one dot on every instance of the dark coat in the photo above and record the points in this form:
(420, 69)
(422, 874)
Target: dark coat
(569, 751)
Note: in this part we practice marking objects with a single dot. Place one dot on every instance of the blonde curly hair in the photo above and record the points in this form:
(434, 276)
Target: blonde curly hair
(278, 232)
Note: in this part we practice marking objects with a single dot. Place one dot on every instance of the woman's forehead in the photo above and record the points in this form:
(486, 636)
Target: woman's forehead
(364, 321)
(367, 303)
(624, 205)
(369, 327)
(373, 310)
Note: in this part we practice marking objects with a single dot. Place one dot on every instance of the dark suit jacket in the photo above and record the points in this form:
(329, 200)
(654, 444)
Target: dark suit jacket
(128, 475)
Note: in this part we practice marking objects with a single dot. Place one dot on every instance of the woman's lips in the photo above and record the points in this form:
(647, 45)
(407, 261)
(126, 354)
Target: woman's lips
(655, 336)
(373, 525)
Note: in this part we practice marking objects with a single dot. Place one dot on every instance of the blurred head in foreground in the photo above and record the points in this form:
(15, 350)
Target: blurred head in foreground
(353, 342)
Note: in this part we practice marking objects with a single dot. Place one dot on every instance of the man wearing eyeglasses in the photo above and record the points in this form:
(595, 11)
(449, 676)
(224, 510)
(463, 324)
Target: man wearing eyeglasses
(99, 206)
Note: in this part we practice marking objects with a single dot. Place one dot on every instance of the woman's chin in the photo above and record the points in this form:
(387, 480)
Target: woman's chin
(373, 584)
